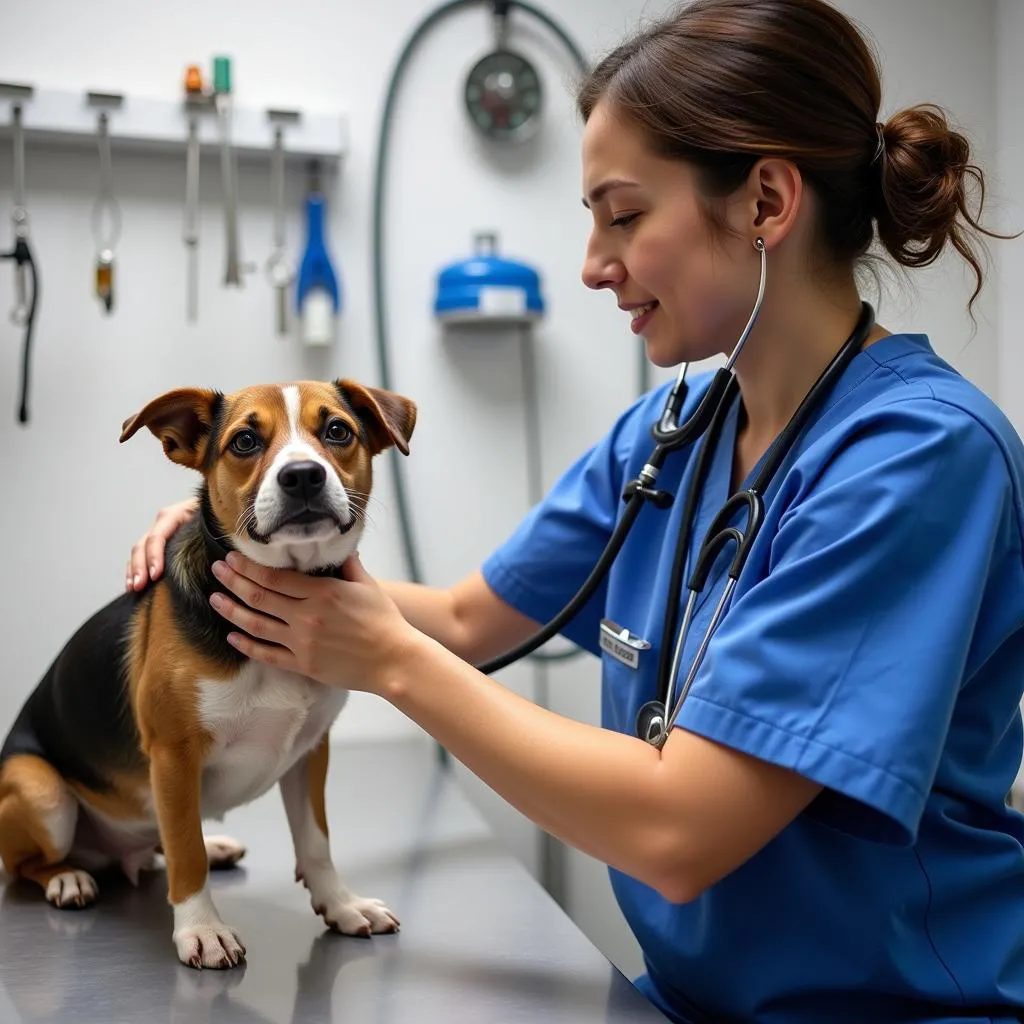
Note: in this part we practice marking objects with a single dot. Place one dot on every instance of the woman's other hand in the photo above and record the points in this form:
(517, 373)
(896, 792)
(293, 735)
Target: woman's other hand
(146, 561)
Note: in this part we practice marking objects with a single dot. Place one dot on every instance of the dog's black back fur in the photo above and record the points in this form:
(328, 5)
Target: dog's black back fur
(78, 718)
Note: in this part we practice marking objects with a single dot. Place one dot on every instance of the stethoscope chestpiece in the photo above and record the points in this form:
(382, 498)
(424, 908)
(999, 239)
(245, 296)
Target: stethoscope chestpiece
(650, 723)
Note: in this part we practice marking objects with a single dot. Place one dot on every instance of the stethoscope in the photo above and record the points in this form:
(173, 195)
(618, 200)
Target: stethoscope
(655, 718)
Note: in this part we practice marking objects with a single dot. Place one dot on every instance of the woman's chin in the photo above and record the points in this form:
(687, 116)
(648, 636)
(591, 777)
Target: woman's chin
(664, 353)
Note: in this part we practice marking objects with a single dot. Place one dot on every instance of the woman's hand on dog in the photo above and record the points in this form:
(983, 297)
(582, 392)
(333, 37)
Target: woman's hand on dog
(346, 633)
(146, 561)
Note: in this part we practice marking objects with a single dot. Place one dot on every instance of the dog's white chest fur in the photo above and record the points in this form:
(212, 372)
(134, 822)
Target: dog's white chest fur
(262, 722)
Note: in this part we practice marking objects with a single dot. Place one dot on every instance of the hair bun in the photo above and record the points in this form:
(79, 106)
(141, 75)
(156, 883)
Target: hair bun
(925, 172)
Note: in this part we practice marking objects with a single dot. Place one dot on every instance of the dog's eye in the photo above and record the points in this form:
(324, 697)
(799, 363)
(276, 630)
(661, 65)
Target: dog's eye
(338, 432)
(245, 442)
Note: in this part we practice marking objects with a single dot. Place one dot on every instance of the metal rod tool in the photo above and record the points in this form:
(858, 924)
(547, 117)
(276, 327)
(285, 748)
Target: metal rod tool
(222, 102)
(279, 274)
(195, 103)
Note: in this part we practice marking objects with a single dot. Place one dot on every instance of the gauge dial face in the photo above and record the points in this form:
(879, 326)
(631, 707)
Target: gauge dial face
(503, 96)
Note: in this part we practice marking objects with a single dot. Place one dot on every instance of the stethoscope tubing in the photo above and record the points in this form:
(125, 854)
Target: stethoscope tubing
(656, 717)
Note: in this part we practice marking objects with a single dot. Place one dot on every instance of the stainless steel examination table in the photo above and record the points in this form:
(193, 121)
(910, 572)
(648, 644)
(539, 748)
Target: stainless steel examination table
(481, 941)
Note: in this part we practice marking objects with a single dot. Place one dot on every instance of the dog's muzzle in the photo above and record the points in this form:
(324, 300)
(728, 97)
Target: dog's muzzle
(303, 486)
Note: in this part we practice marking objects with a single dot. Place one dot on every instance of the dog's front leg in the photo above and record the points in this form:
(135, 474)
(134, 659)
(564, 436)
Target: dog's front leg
(302, 789)
(201, 937)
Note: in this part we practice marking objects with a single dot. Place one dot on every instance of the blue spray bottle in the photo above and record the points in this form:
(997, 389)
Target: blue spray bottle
(317, 292)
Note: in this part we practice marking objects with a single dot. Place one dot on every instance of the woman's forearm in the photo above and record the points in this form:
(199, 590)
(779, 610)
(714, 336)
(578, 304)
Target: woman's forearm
(468, 618)
(596, 790)
(430, 609)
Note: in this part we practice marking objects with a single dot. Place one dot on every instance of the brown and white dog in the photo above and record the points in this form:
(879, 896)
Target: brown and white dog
(149, 721)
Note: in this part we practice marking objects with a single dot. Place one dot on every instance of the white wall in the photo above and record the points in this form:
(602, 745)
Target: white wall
(73, 499)
(1009, 166)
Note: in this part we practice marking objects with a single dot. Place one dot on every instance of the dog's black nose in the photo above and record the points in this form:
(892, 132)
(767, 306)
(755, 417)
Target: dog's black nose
(302, 479)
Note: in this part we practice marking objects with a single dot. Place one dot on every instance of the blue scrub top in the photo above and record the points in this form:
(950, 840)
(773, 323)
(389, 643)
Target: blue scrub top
(874, 643)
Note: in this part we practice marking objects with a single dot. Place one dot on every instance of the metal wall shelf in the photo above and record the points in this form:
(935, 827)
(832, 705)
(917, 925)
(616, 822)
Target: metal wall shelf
(64, 117)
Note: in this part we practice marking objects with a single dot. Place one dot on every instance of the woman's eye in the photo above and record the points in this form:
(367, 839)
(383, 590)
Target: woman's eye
(338, 432)
(624, 219)
(245, 442)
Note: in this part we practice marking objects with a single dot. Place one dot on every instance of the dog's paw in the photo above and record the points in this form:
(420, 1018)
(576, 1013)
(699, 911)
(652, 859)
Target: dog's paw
(223, 852)
(356, 915)
(215, 946)
(72, 889)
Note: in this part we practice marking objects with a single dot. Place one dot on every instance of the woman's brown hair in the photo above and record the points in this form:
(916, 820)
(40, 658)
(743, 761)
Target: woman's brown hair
(723, 83)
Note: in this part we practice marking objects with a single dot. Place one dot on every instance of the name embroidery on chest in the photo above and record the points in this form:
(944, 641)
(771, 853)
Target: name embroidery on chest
(622, 645)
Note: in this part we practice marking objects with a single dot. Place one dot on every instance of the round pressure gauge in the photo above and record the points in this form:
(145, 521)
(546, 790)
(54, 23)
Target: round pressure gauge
(503, 96)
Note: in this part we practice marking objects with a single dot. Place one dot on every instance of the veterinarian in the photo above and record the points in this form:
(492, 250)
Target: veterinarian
(823, 836)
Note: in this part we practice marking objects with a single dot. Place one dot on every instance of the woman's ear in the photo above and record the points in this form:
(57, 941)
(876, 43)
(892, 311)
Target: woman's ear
(776, 191)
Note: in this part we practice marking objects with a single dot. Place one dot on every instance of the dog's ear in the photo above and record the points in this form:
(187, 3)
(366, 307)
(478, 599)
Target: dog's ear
(182, 419)
(389, 418)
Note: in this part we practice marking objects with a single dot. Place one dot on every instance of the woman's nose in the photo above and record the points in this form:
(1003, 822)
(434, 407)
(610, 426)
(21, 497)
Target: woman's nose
(601, 270)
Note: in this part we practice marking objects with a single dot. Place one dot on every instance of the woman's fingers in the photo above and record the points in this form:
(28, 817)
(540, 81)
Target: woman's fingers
(258, 626)
(279, 657)
(258, 597)
(146, 561)
(281, 581)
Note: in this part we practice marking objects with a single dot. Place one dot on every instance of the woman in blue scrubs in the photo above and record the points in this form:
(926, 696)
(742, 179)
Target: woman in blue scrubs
(824, 836)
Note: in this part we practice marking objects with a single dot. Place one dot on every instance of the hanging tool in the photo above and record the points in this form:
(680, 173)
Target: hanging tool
(195, 101)
(105, 235)
(24, 312)
(279, 274)
(223, 104)
(318, 296)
